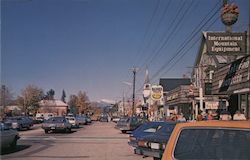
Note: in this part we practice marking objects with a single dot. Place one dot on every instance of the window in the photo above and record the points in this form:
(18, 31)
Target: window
(213, 144)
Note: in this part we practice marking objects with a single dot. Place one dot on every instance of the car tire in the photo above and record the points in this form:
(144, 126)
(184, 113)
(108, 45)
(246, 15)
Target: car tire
(155, 158)
(123, 131)
(20, 127)
(68, 130)
(46, 131)
(13, 143)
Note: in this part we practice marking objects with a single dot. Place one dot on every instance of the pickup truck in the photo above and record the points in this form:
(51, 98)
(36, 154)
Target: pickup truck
(209, 140)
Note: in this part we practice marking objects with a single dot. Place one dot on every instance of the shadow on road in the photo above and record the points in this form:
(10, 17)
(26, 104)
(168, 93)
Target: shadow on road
(18, 148)
(56, 132)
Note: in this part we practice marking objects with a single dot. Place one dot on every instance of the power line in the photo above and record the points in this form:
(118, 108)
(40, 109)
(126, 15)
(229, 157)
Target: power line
(172, 33)
(166, 32)
(148, 26)
(185, 43)
(157, 27)
(194, 32)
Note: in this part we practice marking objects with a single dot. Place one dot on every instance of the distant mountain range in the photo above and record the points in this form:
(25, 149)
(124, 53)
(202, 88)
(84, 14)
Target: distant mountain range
(104, 103)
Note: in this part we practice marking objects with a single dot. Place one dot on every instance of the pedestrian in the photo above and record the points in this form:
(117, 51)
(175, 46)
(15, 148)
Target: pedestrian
(173, 116)
(225, 115)
(209, 115)
(239, 116)
(181, 118)
(199, 117)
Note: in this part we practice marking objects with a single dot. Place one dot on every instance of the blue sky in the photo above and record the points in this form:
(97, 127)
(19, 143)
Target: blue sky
(90, 45)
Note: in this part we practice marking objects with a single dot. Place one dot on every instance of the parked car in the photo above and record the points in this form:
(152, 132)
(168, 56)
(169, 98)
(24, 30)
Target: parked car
(48, 115)
(81, 119)
(56, 124)
(209, 140)
(73, 121)
(142, 130)
(128, 124)
(88, 120)
(104, 118)
(39, 118)
(19, 122)
(9, 136)
(153, 145)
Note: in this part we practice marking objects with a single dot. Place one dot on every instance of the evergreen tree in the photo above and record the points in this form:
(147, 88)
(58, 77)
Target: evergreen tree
(50, 95)
(63, 96)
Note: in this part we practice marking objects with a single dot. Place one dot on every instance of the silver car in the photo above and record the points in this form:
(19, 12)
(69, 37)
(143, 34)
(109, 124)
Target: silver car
(8, 135)
(56, 124)
(19, 122)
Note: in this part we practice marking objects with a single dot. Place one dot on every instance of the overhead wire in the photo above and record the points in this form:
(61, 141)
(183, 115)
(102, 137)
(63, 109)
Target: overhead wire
(157, 27)
(188, 40)
(139, 52)
(193, 44)
(167, 31)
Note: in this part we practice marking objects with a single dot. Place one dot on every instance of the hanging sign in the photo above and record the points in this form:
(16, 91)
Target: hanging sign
(156, 92)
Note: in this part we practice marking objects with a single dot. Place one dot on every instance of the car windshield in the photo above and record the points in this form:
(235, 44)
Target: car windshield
(213, 144)
(55, 119)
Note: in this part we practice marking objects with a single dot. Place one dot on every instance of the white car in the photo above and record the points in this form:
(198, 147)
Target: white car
(73, 121)
(9, 136)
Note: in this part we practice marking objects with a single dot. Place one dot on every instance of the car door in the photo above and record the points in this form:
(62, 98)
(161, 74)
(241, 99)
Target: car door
(7, 135)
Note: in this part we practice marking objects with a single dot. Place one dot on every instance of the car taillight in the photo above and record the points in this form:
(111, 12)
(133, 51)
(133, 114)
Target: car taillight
(132, 138)
(163, 146)
(142, 144)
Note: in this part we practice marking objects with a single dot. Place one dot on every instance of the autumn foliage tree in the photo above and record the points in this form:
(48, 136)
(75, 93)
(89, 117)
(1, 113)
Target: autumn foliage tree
(79, 103)
(30, 98)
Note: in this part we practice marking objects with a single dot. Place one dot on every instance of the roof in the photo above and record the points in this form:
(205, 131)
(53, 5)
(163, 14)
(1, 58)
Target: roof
(14, 108)
(215, 124)
(52, 103)
(169, 84)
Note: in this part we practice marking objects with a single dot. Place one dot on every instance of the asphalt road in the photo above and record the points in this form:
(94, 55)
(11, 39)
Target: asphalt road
(98, 141)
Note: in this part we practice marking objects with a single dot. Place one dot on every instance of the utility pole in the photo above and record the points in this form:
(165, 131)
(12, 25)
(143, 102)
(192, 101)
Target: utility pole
(134, 70)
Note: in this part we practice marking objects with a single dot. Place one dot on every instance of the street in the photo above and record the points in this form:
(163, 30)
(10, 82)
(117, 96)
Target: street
(99, 140)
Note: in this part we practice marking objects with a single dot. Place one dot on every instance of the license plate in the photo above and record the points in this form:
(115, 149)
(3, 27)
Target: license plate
(52, 127)
(155, 145)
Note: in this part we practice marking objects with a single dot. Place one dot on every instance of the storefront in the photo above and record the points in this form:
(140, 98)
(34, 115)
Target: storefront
(179, 101)
(234, 80)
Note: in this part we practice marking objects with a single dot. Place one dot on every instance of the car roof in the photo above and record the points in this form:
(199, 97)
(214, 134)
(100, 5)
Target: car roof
(216, 124)
(219, 124)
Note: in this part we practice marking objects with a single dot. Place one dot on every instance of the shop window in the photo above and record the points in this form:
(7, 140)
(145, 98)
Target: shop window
(208, 88)
(243, 103)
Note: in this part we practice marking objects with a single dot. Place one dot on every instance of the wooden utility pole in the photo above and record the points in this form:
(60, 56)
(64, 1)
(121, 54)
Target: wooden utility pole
(134, 70)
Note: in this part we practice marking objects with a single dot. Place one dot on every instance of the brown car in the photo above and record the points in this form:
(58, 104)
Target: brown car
(209, 140)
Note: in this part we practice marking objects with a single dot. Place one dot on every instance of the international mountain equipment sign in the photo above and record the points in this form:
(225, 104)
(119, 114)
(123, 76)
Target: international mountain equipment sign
(226, 43)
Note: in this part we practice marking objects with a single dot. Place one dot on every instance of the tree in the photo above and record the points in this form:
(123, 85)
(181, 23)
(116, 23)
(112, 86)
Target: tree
(50, 95)
(73, 104)
(63, 96)
(82, 102)
(30, 98)
(79, 103)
